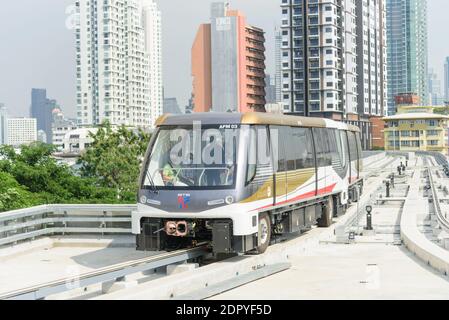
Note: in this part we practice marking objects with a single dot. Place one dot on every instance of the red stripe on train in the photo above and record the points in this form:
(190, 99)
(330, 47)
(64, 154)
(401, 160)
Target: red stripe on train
(328, 189)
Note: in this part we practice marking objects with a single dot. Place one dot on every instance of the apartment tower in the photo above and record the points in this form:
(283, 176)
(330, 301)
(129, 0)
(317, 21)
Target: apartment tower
(319, 58)
(228, 64)
(117, 45)
(371, 58)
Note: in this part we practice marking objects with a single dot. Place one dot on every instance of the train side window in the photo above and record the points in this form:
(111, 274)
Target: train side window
(252, 155)
(303, 148)
(290, 148)
(333, 147)
(277, 142)
(324, 157)
(352, 146)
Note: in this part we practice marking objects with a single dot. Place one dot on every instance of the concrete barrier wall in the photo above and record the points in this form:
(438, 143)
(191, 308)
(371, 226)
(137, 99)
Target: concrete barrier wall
(413, 239)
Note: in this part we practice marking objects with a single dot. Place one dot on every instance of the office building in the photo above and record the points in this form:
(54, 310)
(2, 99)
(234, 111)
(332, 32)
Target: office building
(270, 90)
(434, 85)
(118, 62)
(228, 63)
(278, 62)
(61, 126)
(407, 49)
(41, 110)
(21, 131)
(446, 80)
(171, 106)
(3, 124)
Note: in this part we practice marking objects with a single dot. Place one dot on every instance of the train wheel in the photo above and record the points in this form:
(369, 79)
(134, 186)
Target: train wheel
(264, 236)
(328, 214)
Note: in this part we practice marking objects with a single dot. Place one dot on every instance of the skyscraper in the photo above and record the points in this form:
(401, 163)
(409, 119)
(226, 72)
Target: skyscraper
(3, 124)
(118, 51)
(270, 90)
(407, 49)
(434, 85)
(446, 79)
(278, 66)
(152, 22)
(41, 110)
(319, 58)
(371, 58)
(228, 63)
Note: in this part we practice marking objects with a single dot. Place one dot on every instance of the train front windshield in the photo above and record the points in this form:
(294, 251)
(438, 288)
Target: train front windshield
(193, 158)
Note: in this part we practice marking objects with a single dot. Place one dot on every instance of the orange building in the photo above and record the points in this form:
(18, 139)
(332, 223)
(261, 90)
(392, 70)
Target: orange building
(228, 64)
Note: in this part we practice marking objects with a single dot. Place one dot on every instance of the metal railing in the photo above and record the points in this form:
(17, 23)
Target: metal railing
(48, 220)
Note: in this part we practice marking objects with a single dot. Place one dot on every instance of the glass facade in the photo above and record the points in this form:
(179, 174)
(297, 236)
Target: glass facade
(407, 49)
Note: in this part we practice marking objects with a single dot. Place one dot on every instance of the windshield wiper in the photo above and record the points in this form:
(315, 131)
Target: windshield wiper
(152, 185)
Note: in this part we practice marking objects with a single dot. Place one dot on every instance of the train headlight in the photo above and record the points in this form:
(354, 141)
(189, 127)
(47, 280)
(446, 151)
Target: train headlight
(229, 200)
(143, 199)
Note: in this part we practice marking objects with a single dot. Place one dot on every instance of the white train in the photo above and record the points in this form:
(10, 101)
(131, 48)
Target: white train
(238, 180)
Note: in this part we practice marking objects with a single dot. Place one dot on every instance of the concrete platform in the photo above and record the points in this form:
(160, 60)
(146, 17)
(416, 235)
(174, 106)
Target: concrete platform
(54, 260)
(349, 272)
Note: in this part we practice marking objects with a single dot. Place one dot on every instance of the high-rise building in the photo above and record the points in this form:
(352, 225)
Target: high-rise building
(278, 62)
(61, 125)
(116, 42)
(446, 80)
(3, 124)
(371, 58)
(41, 110)
(171, 106)
(319, 67)
(407, 49)
(434, 85)
(152, 22)
(21, 131)
(228, 63)
(270, 90)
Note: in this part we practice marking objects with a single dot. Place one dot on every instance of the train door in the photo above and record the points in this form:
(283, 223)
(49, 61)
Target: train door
(324, 159)
(278, 136)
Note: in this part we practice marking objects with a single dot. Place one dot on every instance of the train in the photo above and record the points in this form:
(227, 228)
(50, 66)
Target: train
(238, 181)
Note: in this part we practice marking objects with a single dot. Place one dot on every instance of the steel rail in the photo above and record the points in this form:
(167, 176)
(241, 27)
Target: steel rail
(436, 202)
(107, 274)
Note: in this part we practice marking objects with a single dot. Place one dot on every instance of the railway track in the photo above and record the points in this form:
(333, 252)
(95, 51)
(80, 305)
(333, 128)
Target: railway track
(430, 161)
(107, 274)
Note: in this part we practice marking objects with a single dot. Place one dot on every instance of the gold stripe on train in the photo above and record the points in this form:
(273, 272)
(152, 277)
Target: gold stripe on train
(295, 179)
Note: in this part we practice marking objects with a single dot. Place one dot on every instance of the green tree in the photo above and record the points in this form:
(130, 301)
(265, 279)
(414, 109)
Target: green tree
(114, 159)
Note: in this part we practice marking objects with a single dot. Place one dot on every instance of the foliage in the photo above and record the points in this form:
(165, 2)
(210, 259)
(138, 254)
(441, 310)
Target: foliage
(114, 159)
(109, 171)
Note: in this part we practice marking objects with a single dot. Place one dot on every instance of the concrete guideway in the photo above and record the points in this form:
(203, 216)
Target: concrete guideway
(372, 267)
(195, 285)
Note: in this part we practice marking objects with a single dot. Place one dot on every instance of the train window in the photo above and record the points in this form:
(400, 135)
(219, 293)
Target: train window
(278, 136)
(359, 145)
(303, 147)
(352, 146)
(332, 142)
(290, 148)
(323, 153)
(252, 155)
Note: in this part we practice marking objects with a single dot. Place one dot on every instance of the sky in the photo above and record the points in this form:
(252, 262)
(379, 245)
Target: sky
(37, 46)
